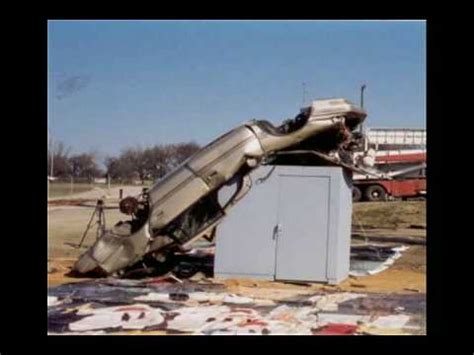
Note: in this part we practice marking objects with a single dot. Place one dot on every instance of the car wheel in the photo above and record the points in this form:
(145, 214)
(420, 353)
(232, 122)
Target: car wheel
(356, 194)
(375, 193)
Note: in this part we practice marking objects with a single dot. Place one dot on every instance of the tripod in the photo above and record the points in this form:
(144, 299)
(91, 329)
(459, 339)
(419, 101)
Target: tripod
(99, 211)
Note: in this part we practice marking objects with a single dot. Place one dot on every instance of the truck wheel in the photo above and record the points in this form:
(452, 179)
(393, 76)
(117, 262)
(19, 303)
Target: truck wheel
(356, 194)
(375, 193)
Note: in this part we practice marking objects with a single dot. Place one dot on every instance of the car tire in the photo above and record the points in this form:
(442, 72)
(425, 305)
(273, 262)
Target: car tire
(356, 194)
(375, 193)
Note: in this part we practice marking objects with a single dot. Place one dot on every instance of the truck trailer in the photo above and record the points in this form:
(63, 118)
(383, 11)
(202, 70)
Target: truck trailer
(399, 155)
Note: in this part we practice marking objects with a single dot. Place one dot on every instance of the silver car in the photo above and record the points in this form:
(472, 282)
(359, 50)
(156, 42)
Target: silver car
(188, 203)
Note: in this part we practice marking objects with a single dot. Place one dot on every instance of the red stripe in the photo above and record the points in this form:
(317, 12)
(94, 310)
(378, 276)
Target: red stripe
(401, 157)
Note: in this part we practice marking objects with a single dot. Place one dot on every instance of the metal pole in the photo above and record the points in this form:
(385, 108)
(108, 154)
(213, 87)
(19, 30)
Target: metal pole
(362, 88)
(50, 137)
(52, 156)
(49, 156)
(88, 227)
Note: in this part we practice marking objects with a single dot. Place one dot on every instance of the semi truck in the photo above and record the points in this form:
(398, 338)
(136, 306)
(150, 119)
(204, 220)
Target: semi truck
(399, 156)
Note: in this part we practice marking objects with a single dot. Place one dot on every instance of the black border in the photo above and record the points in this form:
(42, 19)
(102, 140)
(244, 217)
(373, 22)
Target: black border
(29, 319)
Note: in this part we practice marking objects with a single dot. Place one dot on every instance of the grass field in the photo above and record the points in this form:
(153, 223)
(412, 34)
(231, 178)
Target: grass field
(64, 189)
(60, 189)
(392, 214)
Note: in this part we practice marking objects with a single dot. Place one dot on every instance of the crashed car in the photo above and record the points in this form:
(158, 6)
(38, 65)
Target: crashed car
(188, 203)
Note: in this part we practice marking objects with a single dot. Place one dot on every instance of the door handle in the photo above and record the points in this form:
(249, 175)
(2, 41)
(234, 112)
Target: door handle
(276, 231)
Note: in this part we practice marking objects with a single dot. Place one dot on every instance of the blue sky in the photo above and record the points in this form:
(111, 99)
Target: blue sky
(152, 82)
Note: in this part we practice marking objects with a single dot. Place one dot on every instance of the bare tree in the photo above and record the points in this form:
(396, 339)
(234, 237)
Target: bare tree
(184, 151)
(84, 165)
(149, 163)
(114, 168)
(61, 166)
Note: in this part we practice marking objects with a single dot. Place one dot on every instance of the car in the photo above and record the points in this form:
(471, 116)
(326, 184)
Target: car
(188, 203)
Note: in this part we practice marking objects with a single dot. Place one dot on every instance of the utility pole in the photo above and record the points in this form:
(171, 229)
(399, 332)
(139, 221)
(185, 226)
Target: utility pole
(51, 147)
(52, 156)
(50, 136)
(362, 88)
(51, 153)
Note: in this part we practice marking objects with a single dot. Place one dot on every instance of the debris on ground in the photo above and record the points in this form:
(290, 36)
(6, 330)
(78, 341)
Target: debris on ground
(124, 317)
(53, 301)
(370, 260)
(390, 238)
(336, 329)
(116, 306)
(330, 302)
(391, 321)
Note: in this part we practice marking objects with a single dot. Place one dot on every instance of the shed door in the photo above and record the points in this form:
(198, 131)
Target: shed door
(303, 213)
(244, 245)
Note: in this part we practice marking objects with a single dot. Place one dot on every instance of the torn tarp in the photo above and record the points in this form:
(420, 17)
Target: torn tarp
(138, 316)
(370, 260)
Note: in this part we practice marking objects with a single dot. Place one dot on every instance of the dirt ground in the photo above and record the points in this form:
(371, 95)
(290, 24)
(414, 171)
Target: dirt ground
(68, 218)
(66, 225)
(391, 215)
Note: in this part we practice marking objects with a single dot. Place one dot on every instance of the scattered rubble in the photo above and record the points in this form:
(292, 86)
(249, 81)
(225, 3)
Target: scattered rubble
(146, 307)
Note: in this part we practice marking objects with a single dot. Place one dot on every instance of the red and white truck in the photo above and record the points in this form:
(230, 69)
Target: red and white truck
(400, 155)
